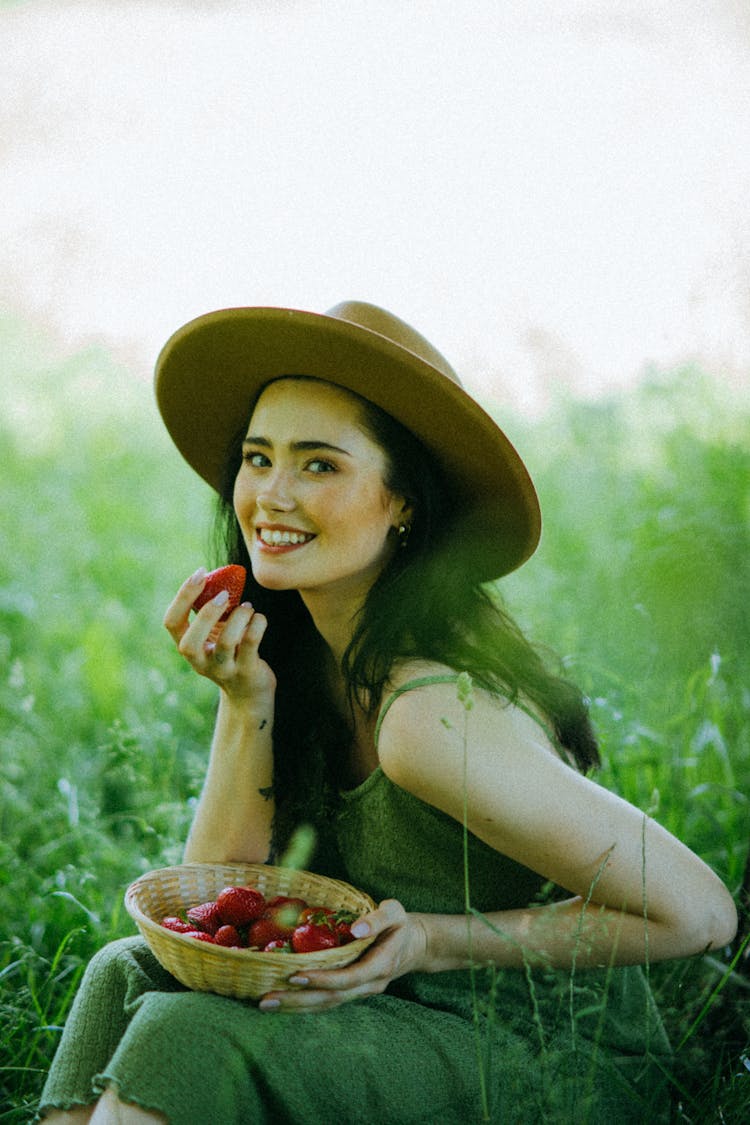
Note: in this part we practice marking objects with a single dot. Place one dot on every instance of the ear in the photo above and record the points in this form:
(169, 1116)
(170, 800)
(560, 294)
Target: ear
(402, 511)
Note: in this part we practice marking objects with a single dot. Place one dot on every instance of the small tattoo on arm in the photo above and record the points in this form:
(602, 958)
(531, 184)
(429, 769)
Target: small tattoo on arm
(263, 724)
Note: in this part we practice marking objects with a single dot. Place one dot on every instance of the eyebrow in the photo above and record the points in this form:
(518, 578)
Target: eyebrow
(297, 446)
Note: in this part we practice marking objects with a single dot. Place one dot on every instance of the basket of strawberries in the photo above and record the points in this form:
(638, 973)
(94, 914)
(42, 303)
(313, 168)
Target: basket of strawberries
(242, 929)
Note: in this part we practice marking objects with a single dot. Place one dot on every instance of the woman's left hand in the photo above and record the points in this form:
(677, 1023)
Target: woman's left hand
(400, 947)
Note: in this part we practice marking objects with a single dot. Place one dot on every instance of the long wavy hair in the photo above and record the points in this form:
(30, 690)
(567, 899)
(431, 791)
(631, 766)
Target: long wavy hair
(426, 604)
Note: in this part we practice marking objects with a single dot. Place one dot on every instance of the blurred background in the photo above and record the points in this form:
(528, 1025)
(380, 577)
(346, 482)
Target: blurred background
(555, 193)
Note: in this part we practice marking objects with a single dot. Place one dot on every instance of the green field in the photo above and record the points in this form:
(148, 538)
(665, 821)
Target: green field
(641, 585)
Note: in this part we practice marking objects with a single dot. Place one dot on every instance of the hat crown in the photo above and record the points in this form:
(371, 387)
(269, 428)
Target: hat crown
(384, 323)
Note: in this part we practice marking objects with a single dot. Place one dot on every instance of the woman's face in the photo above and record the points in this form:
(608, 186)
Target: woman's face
(310, 495)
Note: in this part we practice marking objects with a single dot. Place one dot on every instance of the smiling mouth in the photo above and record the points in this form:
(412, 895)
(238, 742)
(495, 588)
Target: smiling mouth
(275, 538)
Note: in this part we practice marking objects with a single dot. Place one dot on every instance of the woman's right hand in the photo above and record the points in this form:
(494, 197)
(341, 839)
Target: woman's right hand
(223, 651)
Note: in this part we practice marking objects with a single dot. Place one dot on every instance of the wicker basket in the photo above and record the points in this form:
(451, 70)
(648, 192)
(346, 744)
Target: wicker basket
(242, 973)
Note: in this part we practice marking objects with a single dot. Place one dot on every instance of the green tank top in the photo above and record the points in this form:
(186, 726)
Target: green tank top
(394, 845)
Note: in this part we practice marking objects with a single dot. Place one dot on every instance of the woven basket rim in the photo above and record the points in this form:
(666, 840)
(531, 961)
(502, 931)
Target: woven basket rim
(196, 949)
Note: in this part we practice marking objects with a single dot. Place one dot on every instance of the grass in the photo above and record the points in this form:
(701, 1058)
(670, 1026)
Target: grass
(641, 584)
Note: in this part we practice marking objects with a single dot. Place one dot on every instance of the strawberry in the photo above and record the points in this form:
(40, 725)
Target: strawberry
(318, 914)
(176, 925)
(265, 930)
(282, 923)
(229, 936)
(344, 930)
(205, 917)
(276, 923)
(311, 937)
(342, 921)
(230, 578)
(284, 911)
(238, 906)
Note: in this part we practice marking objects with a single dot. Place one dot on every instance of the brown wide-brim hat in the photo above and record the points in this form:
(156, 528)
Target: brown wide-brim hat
(210, 372)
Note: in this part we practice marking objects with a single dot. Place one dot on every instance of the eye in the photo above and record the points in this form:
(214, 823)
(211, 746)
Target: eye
(255, 459)
(318, 465)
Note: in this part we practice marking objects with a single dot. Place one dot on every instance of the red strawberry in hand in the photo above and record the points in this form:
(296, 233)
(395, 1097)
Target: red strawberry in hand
(229, 578)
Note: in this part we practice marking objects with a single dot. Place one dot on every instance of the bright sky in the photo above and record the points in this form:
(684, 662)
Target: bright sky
(551, 190)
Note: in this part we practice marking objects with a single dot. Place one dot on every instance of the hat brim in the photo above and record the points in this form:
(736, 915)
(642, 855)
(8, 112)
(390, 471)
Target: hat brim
(210, 372)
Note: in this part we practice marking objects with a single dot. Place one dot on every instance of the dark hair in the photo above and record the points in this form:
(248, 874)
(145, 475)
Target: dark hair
(424, 605)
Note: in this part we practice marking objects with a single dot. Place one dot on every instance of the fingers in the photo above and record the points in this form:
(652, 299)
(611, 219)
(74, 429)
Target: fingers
(250, 633)
(398, 940)
(232, 648)
(215, 648)
(177, 616)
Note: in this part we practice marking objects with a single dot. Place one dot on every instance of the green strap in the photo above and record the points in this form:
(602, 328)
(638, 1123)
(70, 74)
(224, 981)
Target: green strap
(451, 678)
(421, 681)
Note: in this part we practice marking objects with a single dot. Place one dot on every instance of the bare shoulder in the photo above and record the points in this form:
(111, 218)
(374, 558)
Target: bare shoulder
(493, 769)
(432, 723)
(489, 763)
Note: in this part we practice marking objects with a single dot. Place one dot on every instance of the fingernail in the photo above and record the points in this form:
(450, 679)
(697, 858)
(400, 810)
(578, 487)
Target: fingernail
(269, 1005)
(222, 597)
(199, 575)
(360, 929)
(299, 980)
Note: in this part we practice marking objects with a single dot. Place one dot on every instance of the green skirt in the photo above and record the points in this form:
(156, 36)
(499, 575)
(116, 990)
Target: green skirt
(422, 1052)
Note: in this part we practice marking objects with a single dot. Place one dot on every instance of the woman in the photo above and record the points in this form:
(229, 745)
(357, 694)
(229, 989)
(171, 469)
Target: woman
(370, 499)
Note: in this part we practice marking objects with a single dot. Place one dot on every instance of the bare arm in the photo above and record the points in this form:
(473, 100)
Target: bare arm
(233, 817)
(232, 820)
(638, 893)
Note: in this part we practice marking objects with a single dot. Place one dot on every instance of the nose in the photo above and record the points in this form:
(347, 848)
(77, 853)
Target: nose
(274, 503)
(275, 496)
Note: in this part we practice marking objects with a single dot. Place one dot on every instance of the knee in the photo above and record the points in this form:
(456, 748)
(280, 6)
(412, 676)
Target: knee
(116, 951)
(113, 958)
(125, 969)
(108, 961)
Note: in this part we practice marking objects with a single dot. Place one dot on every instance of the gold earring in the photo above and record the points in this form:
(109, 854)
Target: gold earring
(403, 534)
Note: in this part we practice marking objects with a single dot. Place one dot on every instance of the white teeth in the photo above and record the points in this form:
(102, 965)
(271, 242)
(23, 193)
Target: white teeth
(282, 538)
